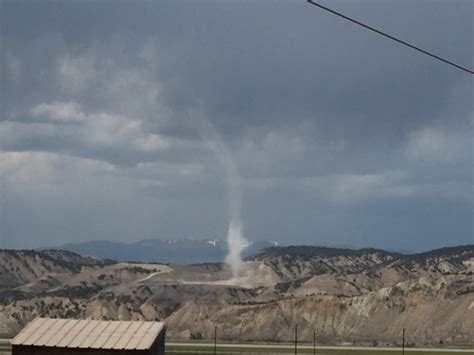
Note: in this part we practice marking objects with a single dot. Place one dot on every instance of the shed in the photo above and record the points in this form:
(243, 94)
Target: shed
(89, 337)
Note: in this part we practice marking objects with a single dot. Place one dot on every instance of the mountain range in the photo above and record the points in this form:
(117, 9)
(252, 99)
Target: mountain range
(181, 251)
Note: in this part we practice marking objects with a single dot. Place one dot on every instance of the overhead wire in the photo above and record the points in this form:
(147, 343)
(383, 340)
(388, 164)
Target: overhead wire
(312, 2)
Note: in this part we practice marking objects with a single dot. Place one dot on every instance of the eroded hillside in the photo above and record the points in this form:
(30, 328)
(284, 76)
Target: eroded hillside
(346, 296)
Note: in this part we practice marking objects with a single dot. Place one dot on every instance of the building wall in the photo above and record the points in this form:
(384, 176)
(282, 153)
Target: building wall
(41, 350)
(158, 347)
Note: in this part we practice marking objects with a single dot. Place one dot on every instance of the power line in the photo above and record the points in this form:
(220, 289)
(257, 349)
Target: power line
(389, 36)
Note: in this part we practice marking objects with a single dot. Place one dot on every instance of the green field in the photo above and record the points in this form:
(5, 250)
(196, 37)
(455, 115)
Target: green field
(200, 349)
(318, 352)
(204, 349)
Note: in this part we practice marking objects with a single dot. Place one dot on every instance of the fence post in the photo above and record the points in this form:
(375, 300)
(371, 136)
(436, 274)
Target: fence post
(296, 339)
(314, 342)
(215, 340)
(403, 341)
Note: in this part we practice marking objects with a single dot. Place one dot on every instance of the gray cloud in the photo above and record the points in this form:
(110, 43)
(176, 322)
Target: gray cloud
(340, 137)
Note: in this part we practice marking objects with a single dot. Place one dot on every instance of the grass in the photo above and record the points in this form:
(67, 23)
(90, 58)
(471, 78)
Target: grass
(204, 350)
(5, 349)
(318, 352)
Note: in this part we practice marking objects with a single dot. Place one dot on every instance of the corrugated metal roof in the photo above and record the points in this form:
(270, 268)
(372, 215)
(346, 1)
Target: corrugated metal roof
(92, 334)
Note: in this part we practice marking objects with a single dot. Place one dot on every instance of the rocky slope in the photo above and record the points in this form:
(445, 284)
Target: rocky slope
(25, 266)
(347, 296)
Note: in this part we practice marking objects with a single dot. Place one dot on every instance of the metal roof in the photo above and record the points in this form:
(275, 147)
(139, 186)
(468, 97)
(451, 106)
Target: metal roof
(92, 334)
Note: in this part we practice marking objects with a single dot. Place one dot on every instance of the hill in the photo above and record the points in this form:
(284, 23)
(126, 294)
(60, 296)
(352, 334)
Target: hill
(18, 267)
(362, 297)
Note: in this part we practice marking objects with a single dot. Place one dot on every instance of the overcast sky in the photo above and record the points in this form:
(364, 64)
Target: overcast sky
(109, 111)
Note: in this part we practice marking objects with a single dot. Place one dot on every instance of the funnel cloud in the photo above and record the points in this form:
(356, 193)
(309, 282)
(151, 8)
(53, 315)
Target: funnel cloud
(235, 239)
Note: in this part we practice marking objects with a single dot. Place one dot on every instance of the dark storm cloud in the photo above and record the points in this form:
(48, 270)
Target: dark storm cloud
(341, 136)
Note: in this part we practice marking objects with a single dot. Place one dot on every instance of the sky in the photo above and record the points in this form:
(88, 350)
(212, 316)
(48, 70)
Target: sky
(111, 112)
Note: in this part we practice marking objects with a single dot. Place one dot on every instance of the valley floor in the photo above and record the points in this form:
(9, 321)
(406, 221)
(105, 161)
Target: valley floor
(208, 348)
(266, 349)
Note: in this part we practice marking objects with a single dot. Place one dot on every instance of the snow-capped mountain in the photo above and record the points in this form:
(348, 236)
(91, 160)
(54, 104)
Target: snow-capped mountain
(180, 251)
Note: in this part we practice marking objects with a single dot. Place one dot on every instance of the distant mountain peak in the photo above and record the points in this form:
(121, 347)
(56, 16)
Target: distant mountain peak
(174, 251)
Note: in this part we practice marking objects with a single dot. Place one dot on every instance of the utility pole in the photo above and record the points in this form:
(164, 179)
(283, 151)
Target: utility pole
(314, 342)
(403, 341)
(215, 340)
(296, 339)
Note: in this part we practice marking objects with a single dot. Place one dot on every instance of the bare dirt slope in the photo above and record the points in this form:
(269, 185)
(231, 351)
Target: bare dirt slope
(347, 296)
